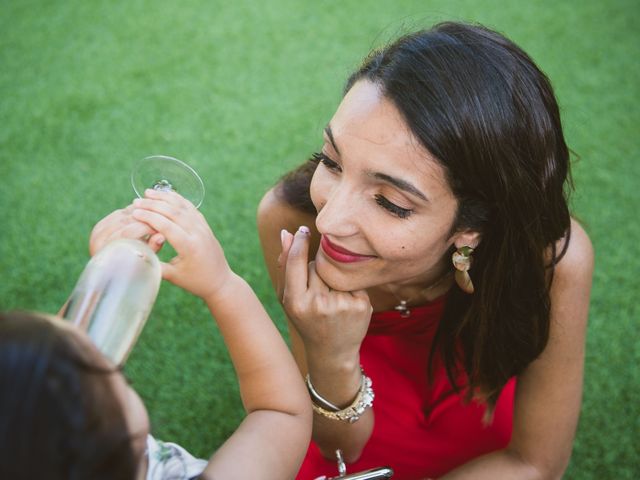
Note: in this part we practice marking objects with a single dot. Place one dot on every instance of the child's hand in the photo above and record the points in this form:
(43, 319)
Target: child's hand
(120, 224)
(200, 266)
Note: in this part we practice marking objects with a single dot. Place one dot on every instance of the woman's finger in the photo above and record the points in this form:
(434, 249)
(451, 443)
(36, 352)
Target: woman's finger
(362, 294)
(315, 282)
(296, 270)
(286, 239)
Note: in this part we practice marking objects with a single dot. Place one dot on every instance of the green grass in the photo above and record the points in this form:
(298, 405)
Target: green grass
(241, 91)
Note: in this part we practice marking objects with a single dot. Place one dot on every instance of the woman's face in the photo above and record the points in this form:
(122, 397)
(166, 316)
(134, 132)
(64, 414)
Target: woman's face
(385, 210)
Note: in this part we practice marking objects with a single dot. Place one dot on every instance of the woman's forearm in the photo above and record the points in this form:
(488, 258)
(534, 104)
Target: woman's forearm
(503, 464)
(338, 381)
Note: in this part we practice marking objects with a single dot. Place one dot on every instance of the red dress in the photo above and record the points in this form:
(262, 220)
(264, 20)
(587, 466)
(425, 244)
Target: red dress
(421, 430)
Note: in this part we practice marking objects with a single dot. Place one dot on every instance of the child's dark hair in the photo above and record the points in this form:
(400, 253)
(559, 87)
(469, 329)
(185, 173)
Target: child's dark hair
(60, 418)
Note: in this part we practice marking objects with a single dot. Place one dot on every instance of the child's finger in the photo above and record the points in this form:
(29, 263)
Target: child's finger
(105, 229)
(156, 241)
(175, 234)
(174, 207)
(170, 197)
(159, 206)
(134, 230)
(168, 271)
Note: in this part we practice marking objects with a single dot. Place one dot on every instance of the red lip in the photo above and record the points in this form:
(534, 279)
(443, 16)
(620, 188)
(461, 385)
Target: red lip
(340, 254)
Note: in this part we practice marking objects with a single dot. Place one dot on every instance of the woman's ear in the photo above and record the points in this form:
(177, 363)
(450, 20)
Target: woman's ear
(467, 238)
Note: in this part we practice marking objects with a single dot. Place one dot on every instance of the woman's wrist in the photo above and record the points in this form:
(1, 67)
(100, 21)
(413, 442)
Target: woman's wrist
(336, 380)
(351, 413)
(323, 357)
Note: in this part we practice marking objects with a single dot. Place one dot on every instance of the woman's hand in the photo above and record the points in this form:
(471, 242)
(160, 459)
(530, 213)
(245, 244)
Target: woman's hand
(121, 224)
(200, 265)
(332, 324)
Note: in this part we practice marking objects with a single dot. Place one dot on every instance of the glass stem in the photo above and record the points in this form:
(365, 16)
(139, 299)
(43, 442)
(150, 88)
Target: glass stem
(163, 186)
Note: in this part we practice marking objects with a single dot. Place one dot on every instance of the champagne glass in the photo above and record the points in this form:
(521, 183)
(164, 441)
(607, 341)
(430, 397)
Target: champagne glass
(118, 287)
(164, 173)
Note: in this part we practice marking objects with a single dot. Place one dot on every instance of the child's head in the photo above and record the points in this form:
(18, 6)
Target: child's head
(66, 412)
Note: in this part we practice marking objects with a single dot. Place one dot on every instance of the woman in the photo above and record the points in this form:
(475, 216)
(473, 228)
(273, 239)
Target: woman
(68, 413)
(437, 294)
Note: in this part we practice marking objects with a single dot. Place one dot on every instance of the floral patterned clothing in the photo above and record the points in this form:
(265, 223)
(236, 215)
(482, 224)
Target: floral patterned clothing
(169, 461)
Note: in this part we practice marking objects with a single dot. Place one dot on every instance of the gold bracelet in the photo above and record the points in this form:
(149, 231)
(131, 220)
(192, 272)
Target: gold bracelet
(352, 413)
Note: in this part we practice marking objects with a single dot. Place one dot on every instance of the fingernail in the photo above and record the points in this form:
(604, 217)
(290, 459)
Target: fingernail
(283, 235)
(304, 230)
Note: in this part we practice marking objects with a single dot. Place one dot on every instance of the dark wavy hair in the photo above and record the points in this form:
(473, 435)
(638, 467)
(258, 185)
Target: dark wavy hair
(482, 107)
(60, 418)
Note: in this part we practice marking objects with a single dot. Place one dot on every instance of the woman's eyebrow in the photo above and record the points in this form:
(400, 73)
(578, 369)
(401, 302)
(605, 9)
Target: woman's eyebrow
(399, 183)
(329, 133)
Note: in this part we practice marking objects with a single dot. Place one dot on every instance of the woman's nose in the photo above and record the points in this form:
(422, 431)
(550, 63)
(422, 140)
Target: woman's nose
(338, 213)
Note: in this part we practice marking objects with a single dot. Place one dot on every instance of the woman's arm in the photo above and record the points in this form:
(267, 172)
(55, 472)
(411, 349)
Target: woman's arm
(335, 374)
(272, 440)
(549, 392)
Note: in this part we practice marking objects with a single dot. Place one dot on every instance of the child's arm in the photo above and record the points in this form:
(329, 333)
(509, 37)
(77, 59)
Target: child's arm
(273, 438)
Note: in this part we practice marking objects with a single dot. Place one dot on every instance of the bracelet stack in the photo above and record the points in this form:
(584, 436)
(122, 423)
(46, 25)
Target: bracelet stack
(351, 413)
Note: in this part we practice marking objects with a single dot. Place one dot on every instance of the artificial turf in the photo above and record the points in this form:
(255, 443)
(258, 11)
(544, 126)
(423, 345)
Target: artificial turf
(241, 91)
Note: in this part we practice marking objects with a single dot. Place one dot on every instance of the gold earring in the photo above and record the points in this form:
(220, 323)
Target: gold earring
(462, 262)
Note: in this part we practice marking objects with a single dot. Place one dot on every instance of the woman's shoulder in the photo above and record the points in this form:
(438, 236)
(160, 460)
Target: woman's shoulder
(572, 276)
(275, 213)
(577, 257)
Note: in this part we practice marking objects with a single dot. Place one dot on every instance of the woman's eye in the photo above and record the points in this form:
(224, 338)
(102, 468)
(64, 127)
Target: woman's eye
(392, 207)
(326, 161)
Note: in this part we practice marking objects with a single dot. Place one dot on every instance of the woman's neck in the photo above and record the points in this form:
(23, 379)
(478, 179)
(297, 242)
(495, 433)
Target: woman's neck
(392, 295)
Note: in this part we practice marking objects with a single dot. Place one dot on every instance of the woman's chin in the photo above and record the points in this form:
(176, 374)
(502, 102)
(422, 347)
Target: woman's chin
(338, 279)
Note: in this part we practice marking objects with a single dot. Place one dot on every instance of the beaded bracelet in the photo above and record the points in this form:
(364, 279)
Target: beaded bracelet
(352, 413)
